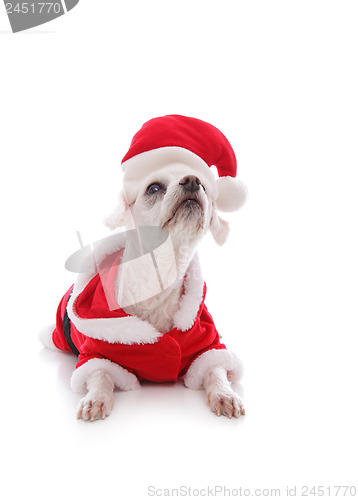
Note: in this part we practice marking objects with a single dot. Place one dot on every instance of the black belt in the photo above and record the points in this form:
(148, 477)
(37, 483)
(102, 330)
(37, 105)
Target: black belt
(67, 331)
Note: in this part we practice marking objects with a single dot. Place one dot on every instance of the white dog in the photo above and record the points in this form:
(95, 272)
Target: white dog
(171, 189)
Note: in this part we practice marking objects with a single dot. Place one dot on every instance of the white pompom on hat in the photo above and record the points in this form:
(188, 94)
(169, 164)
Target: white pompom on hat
(194, 143)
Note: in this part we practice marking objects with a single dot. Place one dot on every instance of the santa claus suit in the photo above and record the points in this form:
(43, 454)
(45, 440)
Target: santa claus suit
(131, 349)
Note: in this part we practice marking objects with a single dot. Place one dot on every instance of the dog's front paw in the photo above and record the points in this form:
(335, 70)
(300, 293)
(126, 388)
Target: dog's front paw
(228, 404)
(93, 407)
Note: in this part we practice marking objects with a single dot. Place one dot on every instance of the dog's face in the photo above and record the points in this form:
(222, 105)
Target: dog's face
(175, 202)
(181, 204)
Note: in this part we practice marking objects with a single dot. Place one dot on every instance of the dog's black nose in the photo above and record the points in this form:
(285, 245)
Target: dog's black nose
(190, 183)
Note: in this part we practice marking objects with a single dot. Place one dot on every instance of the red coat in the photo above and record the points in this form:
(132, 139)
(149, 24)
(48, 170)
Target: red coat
(130, 348)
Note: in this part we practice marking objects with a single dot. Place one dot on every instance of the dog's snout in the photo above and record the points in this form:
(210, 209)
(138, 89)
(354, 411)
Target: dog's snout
(190, 183)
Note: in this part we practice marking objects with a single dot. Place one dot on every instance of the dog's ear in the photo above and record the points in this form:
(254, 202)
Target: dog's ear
(219, 228)
(119, 216)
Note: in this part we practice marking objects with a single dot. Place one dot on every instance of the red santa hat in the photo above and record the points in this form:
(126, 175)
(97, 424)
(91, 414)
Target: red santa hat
(192, 143)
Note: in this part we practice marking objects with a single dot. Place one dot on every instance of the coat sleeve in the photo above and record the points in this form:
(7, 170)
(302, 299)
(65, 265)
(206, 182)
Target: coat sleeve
(214, 354)
(93, 356)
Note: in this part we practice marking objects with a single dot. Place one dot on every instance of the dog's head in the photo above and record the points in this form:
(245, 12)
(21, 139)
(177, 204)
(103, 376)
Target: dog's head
(182, 204)
(168, 181)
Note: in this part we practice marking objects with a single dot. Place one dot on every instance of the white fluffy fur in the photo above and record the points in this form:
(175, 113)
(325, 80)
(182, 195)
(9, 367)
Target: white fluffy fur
(219, 229)
(116, 217)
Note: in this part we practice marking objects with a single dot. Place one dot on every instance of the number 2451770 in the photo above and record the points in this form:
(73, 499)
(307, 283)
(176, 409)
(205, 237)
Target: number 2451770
(33, 8)
(329, 491)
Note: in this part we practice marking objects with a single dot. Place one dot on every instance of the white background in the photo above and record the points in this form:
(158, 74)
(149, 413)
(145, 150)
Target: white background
(280, 79)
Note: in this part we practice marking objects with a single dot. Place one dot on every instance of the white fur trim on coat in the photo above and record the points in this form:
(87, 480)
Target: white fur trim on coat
(126, 330)
(45, 337)
(122, 378)
(194, 377)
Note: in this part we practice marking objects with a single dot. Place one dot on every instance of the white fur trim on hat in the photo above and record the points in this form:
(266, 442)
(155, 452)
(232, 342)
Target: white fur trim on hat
(230, 193)
(122, 378)
(194, 377)
(146, 164)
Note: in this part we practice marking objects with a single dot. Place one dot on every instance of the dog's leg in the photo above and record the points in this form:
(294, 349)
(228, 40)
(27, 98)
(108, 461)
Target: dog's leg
(98, 402)
(221, 398)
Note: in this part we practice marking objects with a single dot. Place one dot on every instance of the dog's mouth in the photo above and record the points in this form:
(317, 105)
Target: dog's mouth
(188, 202)
(187, 207)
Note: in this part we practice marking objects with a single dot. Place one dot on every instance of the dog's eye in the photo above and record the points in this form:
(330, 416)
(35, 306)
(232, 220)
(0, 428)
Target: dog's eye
(154, 188)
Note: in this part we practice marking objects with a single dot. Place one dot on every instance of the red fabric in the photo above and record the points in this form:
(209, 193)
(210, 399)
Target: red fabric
(197, 136)
(97, 301)
(163, 361)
